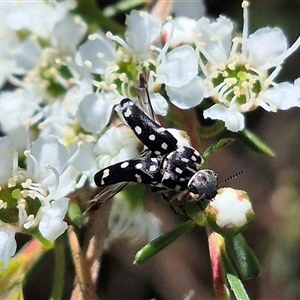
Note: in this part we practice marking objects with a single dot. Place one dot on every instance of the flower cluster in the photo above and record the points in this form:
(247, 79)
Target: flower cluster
(194, 61)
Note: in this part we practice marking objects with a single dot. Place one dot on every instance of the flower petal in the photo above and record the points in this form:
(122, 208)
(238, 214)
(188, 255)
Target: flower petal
(69, 32)
(215, 36)
(179, 67)
(181, 29)
(6, 161)
(99, 51)
(234, 120)
(142, 29)
(283, 96)
(265, 44)
(188, 95)
(8, 245)
(159, 103)
(52, 224)
(95, 109)
(47, 151)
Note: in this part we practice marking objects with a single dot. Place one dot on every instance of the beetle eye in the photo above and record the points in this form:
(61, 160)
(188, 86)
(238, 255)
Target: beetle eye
(193, 189)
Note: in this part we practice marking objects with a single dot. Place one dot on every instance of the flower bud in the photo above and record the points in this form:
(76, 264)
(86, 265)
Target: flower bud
(229, 212)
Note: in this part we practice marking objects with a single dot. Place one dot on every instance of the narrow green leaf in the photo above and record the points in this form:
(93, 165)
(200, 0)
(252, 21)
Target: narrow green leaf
(234, 282)
(75, 214)
(243, 257)
(254, 142)
(161, 242)
(237, 287)
(216, 147)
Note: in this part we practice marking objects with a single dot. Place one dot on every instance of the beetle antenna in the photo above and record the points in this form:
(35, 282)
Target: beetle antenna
(236, 175)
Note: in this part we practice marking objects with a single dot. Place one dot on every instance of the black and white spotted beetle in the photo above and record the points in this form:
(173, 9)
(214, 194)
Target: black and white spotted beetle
(164, 165)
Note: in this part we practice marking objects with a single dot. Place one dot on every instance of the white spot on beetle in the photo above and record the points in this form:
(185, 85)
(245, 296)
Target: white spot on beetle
(127, 113)
(161, 129)
(151, 137)
(193, 157)
(166, 176)
(196, 153)
(138, 129)
(184, 159)
(152, 168)
(139, 166)
(164, 145)
(124, 165)
(178, 170)
(139, 178)
(105, 173)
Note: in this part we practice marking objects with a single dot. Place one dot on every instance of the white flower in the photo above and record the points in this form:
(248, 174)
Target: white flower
(230, 211)
(239, 72)
(36, 196)
(115, 145)
(119, 63)
(38, 69)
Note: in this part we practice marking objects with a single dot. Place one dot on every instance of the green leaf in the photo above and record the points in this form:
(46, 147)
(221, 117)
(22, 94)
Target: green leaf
(234, 282)
(237, 287)
(243, 257)
(161, 242)
(254, 142)
(216, 147)
(75, 214)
